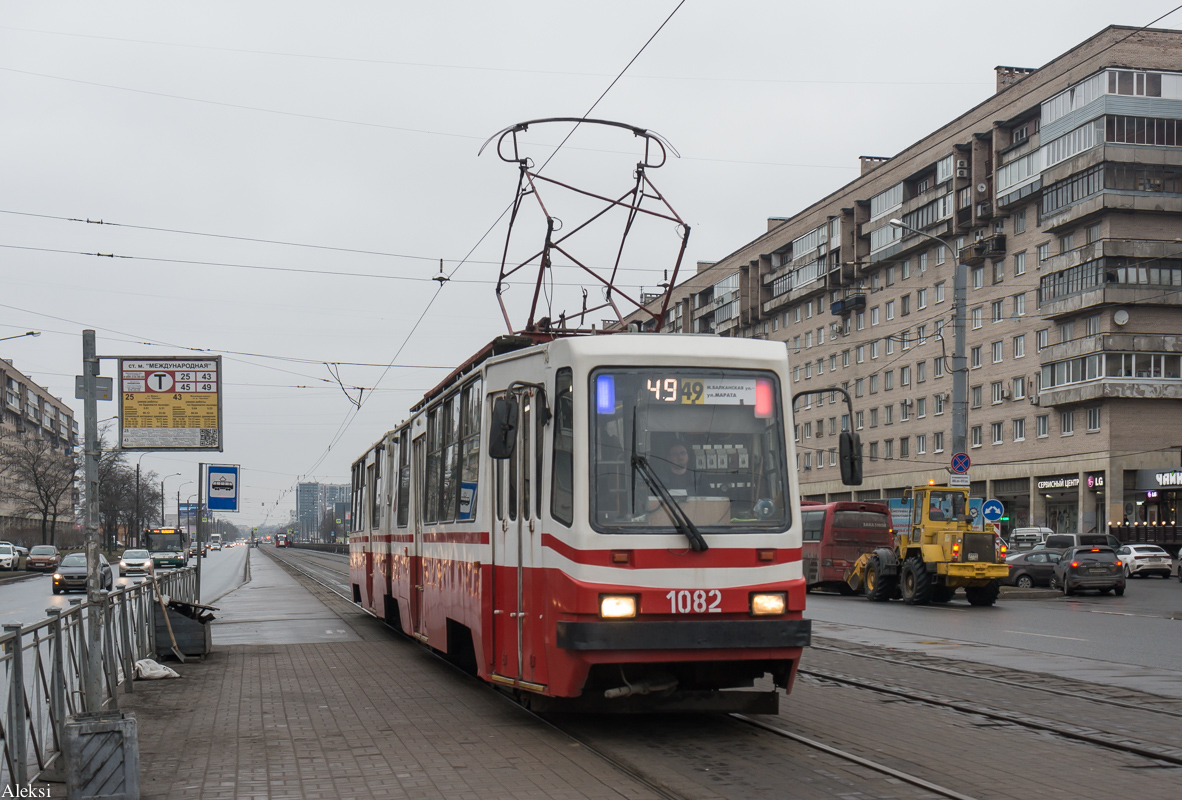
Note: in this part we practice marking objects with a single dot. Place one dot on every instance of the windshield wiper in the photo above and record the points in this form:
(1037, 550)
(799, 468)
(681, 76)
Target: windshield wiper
(676, 513)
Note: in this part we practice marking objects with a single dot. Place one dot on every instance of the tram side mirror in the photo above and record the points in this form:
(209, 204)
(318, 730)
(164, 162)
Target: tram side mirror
(850, 458)
(502, 434)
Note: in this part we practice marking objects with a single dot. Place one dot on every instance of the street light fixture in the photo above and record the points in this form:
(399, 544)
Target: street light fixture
(21, 335)
(960, 373)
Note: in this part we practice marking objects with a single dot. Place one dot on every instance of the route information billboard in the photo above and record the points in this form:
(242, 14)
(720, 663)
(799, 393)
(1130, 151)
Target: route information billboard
(170, 403)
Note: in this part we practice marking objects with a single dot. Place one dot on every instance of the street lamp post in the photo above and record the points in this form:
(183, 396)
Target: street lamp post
(162, 482)
(960, 373)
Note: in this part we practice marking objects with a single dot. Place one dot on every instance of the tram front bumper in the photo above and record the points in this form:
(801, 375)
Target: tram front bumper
(684, 635)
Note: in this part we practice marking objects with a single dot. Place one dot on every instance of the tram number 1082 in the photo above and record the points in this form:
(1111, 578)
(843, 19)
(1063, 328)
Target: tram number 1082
(699, 602)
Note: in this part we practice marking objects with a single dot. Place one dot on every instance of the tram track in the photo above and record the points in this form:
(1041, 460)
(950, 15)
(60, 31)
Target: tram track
(654, 785)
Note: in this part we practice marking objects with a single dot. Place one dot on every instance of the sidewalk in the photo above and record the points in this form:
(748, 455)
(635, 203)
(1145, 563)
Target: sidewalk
(306, 700)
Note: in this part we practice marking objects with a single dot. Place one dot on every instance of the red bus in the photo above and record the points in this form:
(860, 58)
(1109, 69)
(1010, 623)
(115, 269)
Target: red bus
(833, 535)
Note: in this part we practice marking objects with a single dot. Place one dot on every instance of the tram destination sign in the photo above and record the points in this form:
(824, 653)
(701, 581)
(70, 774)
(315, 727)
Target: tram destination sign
(170, 403)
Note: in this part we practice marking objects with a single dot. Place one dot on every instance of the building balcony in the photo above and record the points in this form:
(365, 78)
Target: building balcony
(1109, 388)
(989, 247)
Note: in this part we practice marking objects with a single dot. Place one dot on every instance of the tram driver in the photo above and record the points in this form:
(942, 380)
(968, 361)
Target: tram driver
(675, 472)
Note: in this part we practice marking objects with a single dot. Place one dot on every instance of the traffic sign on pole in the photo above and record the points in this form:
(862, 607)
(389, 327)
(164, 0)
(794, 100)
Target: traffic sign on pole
(961, 463)
(992, 510)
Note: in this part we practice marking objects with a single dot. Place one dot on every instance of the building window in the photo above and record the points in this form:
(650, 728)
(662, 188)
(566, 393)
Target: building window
(845, 358)
(921, 335)
(905, 305)
(808, 340)
(998, 389)
(904, 446)
(874, 349)
(890, 345)
(1042, 425)
(921, 407)
(978, 277)
(874, 451)
(859, 419)
(1019, 264)
(861, 320)
(1094, 418)
(998, 309)
(904, 411)
(1043, 251)
(1020, 221)
(1019, 384)
(888, 448)
(999, 271)
(1043, 338)
(860, 353)
(906, 268)
(938, 442)
(940, 254)
(997, 432)
(976, 436)
(921, 444)
(978, 314)
(921, 299)
(888, 415)
(939, 404)
(873, 384)
(874, 316)
(904, 376)
(1020, 346)
(858, 388)
(874, 417)
(975, 397)
(921, 371)
(938, 367)
(888, 380)
(1067, 423)
(890, 309)
(1092, 326)
(997, 352)
(1019, 430)
(975, 357)
(1020, 305)
(940, 292)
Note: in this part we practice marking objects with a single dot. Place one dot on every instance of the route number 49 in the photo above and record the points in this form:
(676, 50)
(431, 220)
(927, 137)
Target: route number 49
(699, 602)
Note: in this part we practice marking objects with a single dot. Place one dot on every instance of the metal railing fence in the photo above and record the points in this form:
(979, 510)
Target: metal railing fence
(43, 671)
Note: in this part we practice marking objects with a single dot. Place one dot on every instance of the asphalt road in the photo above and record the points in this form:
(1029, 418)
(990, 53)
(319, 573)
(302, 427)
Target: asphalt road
(1129, 641)
(25, 601)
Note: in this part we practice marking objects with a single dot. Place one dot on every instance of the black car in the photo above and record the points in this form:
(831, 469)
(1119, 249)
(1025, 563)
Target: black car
(1033, 568)
(71, 574)
(1097, 568)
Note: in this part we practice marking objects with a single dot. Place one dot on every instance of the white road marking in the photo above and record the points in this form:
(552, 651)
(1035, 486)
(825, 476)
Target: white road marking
(1048, 636)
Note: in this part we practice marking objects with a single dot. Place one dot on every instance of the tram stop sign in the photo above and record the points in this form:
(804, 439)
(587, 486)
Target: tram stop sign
(992, 510)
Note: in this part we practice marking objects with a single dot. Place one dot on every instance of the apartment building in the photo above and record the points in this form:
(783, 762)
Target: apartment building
(30, 408)
(1062, 196)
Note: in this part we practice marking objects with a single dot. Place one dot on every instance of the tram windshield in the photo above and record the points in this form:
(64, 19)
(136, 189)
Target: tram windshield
(713, 438)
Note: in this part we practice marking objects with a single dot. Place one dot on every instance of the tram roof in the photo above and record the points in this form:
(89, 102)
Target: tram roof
(604, 345)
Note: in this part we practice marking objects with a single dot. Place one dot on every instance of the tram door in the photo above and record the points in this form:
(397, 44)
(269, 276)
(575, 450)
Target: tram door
(416, 553)
(510, 531)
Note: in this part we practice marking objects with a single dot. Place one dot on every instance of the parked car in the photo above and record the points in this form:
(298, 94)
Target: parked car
(1033, 568)
(135, 561)
(1145, 559)
(43, 556)
(71, 574)
(1027, 538)
(1062, 541)
(1097, 568)
(9, 558)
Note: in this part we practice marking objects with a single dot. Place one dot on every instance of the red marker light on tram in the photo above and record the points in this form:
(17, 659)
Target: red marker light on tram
(764, 398)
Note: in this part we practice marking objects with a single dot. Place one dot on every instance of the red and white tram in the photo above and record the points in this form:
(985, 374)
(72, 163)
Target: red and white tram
(608, 518)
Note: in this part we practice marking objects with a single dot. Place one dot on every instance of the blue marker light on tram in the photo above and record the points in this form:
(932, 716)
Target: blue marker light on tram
(605, 394)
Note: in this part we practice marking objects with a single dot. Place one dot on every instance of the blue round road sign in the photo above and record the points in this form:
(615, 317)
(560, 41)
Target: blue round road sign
(961, 463)
(992, 510)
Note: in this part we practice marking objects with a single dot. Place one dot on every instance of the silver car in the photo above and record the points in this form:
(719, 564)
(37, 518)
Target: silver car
(135, 561)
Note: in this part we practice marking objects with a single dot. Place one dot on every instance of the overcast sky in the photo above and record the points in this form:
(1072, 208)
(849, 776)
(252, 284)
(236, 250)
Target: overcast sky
(332, 128)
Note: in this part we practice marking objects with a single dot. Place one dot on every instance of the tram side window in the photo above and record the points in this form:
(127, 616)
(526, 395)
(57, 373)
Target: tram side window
(450, 476)
(526, 418)
(540, 399)
(375, 491)
(470, 451)
(813, 525)
(358, 494)
(392, 478)
(562, 478)
(513, 480)
(404, 478)
(431, 487)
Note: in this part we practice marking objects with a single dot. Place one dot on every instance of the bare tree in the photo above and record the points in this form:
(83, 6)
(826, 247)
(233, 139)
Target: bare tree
(116, 492)
(41, 478)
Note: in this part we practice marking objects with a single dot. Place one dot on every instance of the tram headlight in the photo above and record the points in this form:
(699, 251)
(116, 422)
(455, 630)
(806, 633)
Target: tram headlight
(767, 604)
(617, 606)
